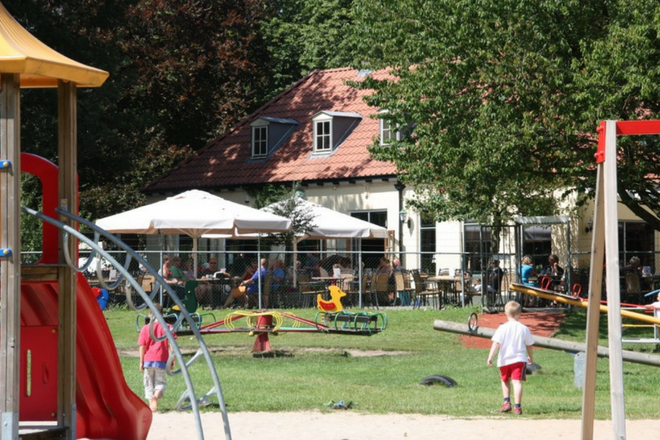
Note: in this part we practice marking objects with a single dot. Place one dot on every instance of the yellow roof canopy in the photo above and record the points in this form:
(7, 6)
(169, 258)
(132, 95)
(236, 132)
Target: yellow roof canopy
(39, 65)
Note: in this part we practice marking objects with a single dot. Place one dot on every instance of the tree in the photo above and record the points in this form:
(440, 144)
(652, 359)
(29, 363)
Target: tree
(303, 35)
(200, 63)
(498, 101)
(287, 203)
(181, 72)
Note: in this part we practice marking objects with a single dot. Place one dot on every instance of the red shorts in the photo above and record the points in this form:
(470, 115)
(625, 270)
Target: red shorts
(515, 371)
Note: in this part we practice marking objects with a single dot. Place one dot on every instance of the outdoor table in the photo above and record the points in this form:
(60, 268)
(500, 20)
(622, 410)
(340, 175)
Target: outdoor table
(217, 289)
(445, 283)
(327, 281)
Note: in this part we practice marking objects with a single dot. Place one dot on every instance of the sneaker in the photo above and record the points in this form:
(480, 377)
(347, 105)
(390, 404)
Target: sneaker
(506, 407)
(517, 411)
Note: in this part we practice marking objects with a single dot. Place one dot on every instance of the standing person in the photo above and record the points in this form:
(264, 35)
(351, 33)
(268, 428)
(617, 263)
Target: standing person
(153, 360)
(633, 266)
(495, 275)
(514, 342)
(494, 286)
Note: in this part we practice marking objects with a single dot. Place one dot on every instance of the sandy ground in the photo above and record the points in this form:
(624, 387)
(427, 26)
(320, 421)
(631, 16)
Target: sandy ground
(349, 425)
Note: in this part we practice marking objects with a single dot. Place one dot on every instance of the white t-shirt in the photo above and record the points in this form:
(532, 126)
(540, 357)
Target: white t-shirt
(513, 338)
(656, 310)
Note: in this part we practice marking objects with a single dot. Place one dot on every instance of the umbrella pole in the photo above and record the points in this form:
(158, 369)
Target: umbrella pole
(360, 273)
(160, 268)
(259, 267)
(195, 256)
(295, 259)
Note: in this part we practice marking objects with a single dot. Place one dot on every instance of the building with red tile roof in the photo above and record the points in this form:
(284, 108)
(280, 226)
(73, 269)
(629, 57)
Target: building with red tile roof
(230, 163)
(316, 134)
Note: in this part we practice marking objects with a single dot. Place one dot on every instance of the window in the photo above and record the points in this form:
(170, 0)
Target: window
(538, 243)
(477, 246)
(322, 136)
(636, 239)
(331, 128)
(373, 248)
(259, 141)
(427, 243)
(387, 134)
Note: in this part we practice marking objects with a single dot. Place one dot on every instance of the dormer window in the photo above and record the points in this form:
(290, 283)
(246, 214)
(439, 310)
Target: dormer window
(259, 141)
(268, 134)
(332, 128)
(322, 136)
(388, 131)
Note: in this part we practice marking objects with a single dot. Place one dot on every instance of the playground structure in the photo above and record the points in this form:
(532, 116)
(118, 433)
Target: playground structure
(605, 254)
(472, 329)
(59, 366)
(266, 322)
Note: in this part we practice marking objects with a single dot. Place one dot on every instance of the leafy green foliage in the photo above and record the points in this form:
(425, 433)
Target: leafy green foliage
(504, 99)
(304, 35)
(181, 72)
(286, 203)
(302, 219)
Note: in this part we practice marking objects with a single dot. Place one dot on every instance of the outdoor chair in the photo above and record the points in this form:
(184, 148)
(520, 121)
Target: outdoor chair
(383, 289)
(353, 292)
(147, 283)
(403, 292)
(633, 292)
(425, 292)
(407, 285)
(309, 290)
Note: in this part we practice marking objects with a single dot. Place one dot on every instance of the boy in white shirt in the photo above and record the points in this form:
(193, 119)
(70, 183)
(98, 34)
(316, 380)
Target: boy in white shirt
(514, 342)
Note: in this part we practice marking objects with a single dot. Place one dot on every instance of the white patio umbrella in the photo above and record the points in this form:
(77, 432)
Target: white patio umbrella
(329, 224)
(194, 213)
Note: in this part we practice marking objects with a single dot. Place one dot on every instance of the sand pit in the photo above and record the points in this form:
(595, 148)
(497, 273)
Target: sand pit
(351, 425)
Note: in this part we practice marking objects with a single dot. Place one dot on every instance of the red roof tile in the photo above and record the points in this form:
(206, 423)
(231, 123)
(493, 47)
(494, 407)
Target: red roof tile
(226, 161)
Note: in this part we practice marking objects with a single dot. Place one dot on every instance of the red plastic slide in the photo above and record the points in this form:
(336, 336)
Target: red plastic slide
(106, 406)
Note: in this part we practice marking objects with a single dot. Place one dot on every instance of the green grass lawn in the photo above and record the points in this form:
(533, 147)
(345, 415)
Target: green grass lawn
(317, 369)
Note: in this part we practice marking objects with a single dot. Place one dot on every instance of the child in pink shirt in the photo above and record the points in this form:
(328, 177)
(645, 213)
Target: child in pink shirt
(153, 360)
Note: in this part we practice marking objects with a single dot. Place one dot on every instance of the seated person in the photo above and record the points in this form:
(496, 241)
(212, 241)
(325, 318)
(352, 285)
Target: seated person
(175, 282)
(554, 271)
(278, 275)
(252, 284)
(249, 271)
(203, 291)
(528, 271)
(384, 266)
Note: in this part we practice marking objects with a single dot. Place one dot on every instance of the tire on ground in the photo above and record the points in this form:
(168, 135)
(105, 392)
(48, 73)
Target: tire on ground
(438, 378)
